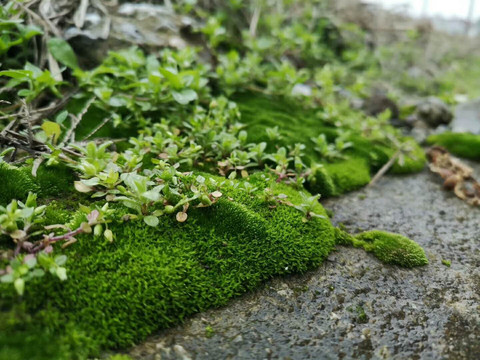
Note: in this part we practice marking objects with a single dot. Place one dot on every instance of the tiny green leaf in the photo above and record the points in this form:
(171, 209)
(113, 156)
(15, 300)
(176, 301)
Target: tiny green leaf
(7, 278)
(62, 273)
(52, 129)
(185, 96)
(60, 260)
(151, 220)
(63, 52)
(19, 285)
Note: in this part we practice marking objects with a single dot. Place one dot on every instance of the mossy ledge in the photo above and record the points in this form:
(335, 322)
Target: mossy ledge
(17, 182)
(151, 278)
(465, 145)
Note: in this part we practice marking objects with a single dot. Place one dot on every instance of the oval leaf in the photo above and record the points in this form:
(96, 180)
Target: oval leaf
(52, 129)
(185, 96)
(151, 220)
(63, 52)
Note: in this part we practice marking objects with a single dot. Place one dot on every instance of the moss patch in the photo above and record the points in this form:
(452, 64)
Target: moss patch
(391, 248)
(151, 278)
(16, 183)
(465, 145)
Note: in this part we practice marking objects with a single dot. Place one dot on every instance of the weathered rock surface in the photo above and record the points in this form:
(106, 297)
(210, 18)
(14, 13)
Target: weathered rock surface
(467, 117)
(434, 112)
(354, 307)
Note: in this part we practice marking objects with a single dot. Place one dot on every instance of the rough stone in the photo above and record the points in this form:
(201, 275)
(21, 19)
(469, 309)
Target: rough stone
(467, 117)
(434, 112)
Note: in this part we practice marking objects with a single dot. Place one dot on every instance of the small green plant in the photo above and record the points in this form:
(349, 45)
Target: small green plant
(308, 206)
(331, 151)
(209, 332)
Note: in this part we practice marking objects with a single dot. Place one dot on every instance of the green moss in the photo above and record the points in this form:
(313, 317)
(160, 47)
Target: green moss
(151, 278)
(447, 263)
(349, 174)
(362, 317)
(209, 332)
(391, 248)
(322, 183)
(53, 180)
(43, 335)
(16, 184)
(413, 162)
(343, 238)
(465, 145)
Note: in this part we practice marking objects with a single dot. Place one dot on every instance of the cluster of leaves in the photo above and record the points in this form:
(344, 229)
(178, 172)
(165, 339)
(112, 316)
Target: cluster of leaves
(150, 192)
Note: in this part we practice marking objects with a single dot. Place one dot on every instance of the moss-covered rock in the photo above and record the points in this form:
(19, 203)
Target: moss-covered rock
(465, 145)
(150, 278)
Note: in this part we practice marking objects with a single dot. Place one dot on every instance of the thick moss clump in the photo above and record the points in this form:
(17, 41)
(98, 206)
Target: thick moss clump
(465, 145)
(389, 248)
(44, 335)
(414, 162)
(151, 278)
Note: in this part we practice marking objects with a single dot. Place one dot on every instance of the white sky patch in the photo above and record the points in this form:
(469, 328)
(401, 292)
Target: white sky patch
(445, 8)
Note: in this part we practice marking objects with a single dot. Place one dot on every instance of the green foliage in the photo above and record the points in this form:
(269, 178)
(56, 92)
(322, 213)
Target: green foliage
(242, 183)
(63, 52)
(20, 222)
(15, 36)
(465, 145)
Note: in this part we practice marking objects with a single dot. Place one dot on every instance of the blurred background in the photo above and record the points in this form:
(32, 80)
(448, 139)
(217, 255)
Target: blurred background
(455, 17)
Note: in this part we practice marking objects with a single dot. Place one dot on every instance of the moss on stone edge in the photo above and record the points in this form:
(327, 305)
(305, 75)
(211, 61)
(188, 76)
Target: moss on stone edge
(414, 162)
(389, 248)
(152, 278)
(465, 145)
